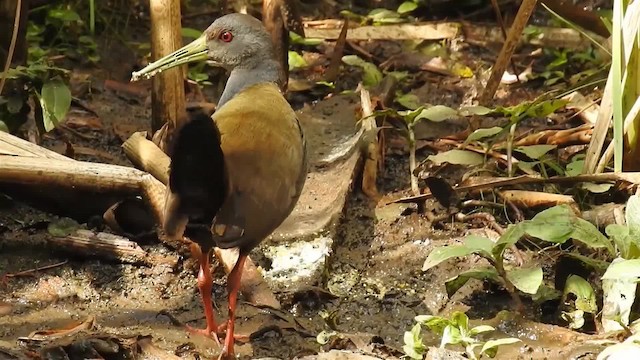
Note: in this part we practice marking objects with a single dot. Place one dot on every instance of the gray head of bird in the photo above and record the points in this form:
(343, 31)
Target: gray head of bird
(232, 41)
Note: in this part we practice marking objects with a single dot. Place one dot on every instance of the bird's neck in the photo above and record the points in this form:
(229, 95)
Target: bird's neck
(243, 77)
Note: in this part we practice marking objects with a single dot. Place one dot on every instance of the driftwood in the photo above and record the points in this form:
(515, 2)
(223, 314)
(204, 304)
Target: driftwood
(110, 246)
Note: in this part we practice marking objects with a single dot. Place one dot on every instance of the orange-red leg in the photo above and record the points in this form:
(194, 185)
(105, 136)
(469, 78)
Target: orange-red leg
(205, 284)
(233, 285)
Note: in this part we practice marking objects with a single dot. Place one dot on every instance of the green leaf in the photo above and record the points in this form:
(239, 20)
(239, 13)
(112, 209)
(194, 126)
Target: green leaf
(511, 235)
(190, 33)
(413, 346)
(450, 335)
(454, 284)
(480, 245)
(618, 297)
(481, 329)
(574, 168)
(588, 234)
(297, 39)
(625, 269)
(546, 293)
(435, 323)
(596, 188)
(553, 225)
(437, 113)
(460, 320)
(410, 101)
(474, 110)
(491, 347)
(372, 76)
(457, 157)
(585, 296)
(535, 151)
(441, 254)
(407, 7)
(625, 240)
(55, 100)
(632, 212)
(66, 15)
(3, 127)
(296, 61)
(482, 133)
(62, 227)
(527, 280)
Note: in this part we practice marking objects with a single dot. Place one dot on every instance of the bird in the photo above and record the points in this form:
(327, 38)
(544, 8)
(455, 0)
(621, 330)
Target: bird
(237, 175)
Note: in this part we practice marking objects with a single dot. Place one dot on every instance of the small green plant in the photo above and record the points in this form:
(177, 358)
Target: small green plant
(555, 225)
(47, 85)
(454, 331)
(64, 32)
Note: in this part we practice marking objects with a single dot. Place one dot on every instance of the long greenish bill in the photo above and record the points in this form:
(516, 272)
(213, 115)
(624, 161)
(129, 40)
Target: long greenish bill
(194, 51)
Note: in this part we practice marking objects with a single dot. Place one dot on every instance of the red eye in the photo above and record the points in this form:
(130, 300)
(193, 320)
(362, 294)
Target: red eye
(226, 36)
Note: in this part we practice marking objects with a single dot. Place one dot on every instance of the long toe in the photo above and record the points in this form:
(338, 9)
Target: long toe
(204, 332)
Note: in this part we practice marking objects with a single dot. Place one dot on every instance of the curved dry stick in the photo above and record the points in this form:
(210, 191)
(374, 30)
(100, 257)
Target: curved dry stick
(12, 46)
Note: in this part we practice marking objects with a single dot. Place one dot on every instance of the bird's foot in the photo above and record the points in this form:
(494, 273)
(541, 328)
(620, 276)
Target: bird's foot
(208, 332)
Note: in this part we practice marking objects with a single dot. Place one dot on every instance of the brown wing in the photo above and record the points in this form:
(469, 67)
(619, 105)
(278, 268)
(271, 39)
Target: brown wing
(198, 183)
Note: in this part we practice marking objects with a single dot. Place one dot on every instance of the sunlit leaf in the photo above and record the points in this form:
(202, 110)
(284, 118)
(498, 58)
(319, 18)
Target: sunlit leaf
(407, 7)
(553, 225)
(624, 269)
(3, 127)
(410, 101)
(479, 244)
(491, 347)
(435, 323)
(296, 61)
(597, 265)
(619, 293)
(483, 133)
(474, 110)
(462, 70)
(372, 75)
(632, 212)
(481, 329)
(527, 280)
(437, 113)
(585, 296)
(457, 157)
(596, 188)
(441, 254)
(55, 100)
(535, 151)
(450, 335)
(626, 240)
(297, 39)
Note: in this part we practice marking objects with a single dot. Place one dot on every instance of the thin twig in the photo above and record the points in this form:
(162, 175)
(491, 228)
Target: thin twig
(34, 270)
(12, 46)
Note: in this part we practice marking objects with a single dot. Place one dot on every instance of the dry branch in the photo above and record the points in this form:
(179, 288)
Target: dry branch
(110, 246)
(144, 154)
(515, 33)
(69, 174)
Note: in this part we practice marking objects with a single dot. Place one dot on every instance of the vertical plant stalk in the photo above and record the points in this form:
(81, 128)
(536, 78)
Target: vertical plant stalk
(412, 161)
(92, 16)
(616, 70)
(12, 46)
(524, 13)
(508, 285)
